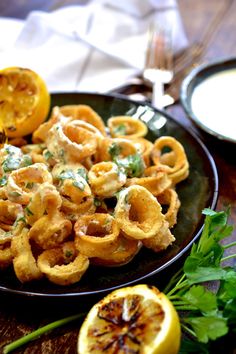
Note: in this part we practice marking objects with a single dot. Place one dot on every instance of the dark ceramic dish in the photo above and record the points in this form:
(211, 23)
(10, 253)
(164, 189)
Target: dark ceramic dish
(196, 77)
(198, 191)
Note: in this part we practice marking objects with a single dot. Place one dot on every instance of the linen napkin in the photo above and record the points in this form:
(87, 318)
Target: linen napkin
(94, 47)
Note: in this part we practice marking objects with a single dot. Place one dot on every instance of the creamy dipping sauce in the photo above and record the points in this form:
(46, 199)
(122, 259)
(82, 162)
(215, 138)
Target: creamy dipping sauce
(213, 102)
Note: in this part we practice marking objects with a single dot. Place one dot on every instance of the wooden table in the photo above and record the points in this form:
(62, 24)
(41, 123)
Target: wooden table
(211, 28)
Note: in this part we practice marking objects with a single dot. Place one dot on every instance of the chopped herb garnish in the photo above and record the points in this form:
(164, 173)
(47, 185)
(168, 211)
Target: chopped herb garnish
(48, 155)
(26, 161)
(132, 165)
(79, 184)
(29, 185)
(114, 150)
(3, 181)
(14, 194)
(82, 172)
(119, 130)
(28, 211)
(97, 202)
(11, 164)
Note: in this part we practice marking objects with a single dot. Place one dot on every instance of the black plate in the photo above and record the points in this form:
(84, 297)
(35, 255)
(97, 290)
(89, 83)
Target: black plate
(196, 77)
(197, 192)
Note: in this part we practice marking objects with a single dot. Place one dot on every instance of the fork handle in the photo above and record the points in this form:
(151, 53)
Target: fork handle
(158, 94)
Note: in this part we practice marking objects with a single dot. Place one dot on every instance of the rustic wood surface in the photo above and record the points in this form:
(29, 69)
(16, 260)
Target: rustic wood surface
(211, 28)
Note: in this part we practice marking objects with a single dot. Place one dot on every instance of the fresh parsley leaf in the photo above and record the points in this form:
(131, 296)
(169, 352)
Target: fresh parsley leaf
(208, 327)
(204, 300)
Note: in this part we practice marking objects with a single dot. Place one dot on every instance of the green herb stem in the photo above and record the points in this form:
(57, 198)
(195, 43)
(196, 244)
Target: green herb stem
(185, 307)
(229, 245)
(228, 257)
(38, 332)
(188, 330)
(180, 285)
(173, 280)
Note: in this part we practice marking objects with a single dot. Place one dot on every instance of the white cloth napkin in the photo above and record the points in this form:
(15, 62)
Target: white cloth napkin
(92, 48)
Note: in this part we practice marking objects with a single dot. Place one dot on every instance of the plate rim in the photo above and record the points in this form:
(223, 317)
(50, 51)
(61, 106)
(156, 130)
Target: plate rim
(185, 97)
(212, 164)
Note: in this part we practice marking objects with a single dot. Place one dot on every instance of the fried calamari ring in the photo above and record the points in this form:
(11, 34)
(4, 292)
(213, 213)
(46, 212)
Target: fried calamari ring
(155, 184)
(46, 200)
(24, 262)
(76, 141)
(9, 212)
(175, 162)
(96, 235)
(40, 134)
(74, 187)
(123, 254)
(85, 113)
(63, 265)
(161, 240)
(170, 198)
(6, 256)
(50, 230)
(123, 126)
(138, 213)
(106, 179)
(23, 182)
(117, 147)
(72, 210)
(61, 168)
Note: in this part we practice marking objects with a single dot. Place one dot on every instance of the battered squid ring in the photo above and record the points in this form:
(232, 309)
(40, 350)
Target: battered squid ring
(24, 262)
(123, 148)
(138, 213)
(170, 198)
(5, 249)
(50, 231)
(126, 250)
(73, 210)
(126, 126)
(35, 151)
(96, 235)
(23, 183)
(85, 113)
(40, 134)
(63, 265)
(106, 179)
(154, 184)
(178, 169)
(161, 240)
(76, 141)
(9, 212)
(60, 168)
(76, 189)
(46, 199)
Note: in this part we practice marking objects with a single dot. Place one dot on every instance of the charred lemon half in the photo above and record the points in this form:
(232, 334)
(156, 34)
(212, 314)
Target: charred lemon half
(137, 319)
(24, 101)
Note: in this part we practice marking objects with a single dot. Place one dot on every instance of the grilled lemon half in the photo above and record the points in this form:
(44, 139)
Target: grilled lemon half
(137, 319)
(24, 101)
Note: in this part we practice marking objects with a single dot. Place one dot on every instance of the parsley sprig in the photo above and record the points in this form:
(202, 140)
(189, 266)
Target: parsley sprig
(205, 314)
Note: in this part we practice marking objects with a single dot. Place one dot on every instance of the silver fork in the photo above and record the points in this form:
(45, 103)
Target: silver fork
(158, 69)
